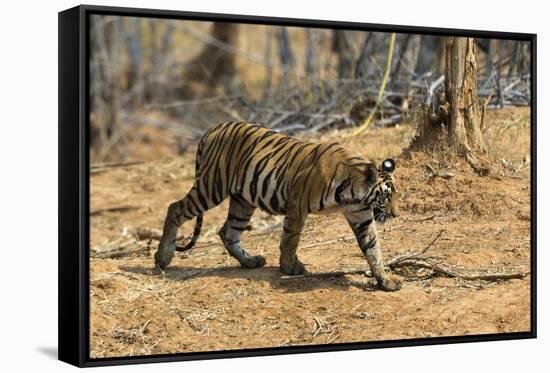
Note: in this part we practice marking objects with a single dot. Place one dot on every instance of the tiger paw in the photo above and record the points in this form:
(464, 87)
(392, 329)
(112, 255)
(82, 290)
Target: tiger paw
(164, 256)
(293, 268)
(389, 284)
(256, 261)
(161, 263)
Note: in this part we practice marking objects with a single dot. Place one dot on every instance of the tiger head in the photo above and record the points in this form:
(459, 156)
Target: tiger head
(384, 205)
(371, 187)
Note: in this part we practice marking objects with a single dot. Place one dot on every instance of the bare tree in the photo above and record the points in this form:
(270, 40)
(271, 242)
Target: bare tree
(457, 121)
(160, 45)
(461, 93)
(312, 55)
(286, 54)
(524, 57)
(344, 48)
(402, 45)
(501, 51)
(361, 66)
(105, 88)
(514, 57)
(268, 67)
(404, 61)
(214, 66)
(132, 37)
(492, 47)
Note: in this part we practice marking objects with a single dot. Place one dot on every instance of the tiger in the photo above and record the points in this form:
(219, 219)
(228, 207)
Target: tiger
(257, 167)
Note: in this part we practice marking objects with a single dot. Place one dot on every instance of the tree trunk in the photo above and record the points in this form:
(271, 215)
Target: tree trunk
(132, 36)
(286, 55)
(105, 87)
(513, 65)
(268, 67)
(344, 49)
(361, 65)
(157, 87)
(214, 66)
(312, 53)
(402, 44)
(461, 94)
(524, 57)
(501, 50)
(456, 123)
(491, 47)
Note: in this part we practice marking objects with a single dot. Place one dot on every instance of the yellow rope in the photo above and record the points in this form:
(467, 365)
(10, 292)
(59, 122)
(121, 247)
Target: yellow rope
(367, 122)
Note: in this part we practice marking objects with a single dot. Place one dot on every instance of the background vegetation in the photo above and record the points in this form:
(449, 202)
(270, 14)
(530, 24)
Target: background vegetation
(158, 84)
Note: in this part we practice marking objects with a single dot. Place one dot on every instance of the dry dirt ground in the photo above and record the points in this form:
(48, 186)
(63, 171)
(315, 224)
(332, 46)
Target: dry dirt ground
(205, 302)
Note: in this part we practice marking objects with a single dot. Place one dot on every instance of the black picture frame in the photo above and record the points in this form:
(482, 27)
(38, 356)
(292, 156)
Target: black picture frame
(74, 180)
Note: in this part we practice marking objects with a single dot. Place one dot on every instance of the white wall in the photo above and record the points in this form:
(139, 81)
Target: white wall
(28, 194)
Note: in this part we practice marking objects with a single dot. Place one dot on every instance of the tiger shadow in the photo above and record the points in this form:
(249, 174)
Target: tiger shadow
(269, 274)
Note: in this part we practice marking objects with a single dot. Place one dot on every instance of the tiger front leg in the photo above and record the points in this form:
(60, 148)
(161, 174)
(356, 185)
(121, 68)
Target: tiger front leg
(238, 218)
(292, 229)
(365, 231)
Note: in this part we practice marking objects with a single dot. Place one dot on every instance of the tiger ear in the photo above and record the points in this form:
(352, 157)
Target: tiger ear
(388, 165)
(371, 173)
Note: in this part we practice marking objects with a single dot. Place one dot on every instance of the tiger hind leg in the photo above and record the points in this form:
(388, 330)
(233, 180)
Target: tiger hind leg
(193, 204)
(238, 217)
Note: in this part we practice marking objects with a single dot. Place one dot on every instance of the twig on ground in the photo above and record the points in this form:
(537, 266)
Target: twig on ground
(112, 209)
(142, 233)
(480, 169)
(434, 173)
(442, 269)
(114, 165)
(414, 254)
(429, 217)
(344, 239)
(120, 252)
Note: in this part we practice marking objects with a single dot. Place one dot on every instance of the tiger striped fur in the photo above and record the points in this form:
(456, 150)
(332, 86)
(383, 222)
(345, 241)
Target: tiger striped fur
(258, 167)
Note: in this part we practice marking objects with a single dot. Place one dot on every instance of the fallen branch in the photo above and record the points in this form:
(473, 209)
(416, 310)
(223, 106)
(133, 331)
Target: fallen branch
(433, 87)
(444, 270)
(396, 260)
(394, 119)
(417, 259)
(478, 168)
(434, 173)
(120, 252)
(341, 239)
(425, 218)
(114, 165)
(112, 209)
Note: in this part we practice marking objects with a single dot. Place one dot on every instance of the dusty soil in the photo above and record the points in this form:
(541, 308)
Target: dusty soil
(206, 302)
